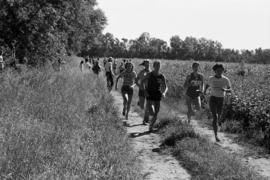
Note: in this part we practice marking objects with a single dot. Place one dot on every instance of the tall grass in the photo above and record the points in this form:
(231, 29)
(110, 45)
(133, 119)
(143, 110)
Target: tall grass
(202, 159)
(61, 126)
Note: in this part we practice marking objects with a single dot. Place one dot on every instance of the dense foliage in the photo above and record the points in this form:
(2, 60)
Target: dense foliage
(146, 46)
(43, 29)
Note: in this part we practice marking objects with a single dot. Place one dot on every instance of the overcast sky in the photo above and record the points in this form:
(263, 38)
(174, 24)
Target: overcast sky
(239, 24)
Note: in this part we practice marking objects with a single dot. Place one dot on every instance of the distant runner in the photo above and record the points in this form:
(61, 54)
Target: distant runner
(156, 88)
(129, 77)
(109, 74)
(194, 88)
(81, 65)
(220, 85)
(122, 66)
(57, 64)
(96, 68)
(114, 66)
(142, 74)
(87, 66)
(2, 63)
(104, 62)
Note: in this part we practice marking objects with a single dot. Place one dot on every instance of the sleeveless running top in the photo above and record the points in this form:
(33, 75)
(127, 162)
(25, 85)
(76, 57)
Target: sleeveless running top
(194, 82)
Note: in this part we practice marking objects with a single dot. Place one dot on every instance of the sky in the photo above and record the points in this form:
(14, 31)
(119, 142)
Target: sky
(238, 24)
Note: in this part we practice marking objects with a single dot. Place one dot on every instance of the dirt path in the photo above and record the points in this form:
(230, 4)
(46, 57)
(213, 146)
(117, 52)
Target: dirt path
(260, 162)
(155, 166)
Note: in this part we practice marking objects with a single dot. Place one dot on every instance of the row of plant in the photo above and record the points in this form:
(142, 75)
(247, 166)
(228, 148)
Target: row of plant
(248, 108)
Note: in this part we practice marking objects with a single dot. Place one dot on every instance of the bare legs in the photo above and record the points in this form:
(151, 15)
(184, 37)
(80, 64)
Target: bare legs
(127, 98)
(216, 105)
(152, 108)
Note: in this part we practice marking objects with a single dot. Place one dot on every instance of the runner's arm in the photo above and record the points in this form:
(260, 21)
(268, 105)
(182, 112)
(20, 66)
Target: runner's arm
(228, 87)
(202, 85)
(165, 87)
(120, 76)
(137, 79)
(186, 84)
(111, 69)
(207, 86)
(144, 81)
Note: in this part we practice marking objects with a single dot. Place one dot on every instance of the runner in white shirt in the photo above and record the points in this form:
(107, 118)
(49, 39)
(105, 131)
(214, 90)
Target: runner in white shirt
(87, 65)
(219, 85)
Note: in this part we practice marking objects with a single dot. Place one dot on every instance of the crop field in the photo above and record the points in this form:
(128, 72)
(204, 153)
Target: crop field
(248, 110)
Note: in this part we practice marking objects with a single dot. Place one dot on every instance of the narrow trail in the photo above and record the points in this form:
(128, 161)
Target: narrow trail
(259, 162)
(155, 166)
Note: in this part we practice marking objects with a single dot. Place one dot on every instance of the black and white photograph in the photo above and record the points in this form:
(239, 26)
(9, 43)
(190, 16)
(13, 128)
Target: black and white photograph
(134, 90)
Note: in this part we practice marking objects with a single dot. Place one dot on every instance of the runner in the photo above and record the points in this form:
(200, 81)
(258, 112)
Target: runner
(129, 77)
(109, 74)
(2, 63)
(219, 85)
(81, 65)
(104, 62)
(194, 88)
(156, 88)
(57, 64)
(122, 66)
(87, 65)
(139, 79)
(114, 66)
(96, 68)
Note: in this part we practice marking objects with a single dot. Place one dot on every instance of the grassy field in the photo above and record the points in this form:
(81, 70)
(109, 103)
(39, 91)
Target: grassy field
(55, 125)
(248, 109)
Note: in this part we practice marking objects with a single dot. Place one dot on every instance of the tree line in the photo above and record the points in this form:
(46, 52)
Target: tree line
(146, 46)
(40, 30)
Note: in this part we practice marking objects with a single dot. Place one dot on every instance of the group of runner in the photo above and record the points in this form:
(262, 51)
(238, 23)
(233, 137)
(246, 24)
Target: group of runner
(88, 64)
(152, 88)
(195, 89)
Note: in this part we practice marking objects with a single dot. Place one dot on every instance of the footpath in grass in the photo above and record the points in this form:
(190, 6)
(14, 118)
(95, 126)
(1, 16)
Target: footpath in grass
(255, 157)
(198, 152)
(155, 165)
(61, 125)
(202, 158)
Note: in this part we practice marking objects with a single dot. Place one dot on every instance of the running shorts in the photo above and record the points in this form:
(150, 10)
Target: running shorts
(127, 90)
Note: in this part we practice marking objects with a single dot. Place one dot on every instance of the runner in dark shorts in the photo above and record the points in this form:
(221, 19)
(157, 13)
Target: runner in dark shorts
(129, 77)
(219, 85)
(139, 83)
(96, 68)
(109, 74)
(155, 89)
(194, 88)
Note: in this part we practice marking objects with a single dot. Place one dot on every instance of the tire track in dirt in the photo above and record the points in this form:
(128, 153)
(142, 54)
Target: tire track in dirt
(155, 166)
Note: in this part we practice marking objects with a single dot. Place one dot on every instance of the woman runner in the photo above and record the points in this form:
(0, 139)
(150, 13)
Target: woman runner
(219, 85)
(129, 77)
(194, 88)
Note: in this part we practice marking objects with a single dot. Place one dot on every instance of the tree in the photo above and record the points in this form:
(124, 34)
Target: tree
(43, 29)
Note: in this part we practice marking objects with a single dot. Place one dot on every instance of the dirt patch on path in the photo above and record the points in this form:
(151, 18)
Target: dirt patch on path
(155, 166)
(260, 163)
